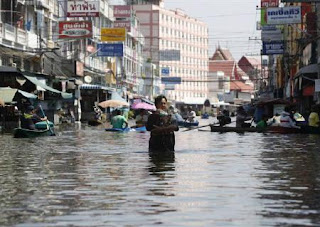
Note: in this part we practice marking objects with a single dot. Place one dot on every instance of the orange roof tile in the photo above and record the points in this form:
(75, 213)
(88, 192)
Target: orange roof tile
(240, 86)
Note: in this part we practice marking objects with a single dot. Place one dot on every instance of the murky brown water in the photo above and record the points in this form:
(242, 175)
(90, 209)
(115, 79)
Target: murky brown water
(88, 177)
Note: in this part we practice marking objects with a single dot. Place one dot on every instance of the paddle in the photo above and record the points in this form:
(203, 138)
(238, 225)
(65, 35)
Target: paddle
(52, 133)
(204, 126)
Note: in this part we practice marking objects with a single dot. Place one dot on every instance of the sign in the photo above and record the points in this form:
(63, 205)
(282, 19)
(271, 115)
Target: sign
(113, 34)
(317, 85)
(300, 0)
(122, 24)
(169, 55)
(82, 8)
(171, 80)
(110, 50)
(272, 47)
(271, 35)
(75, 29)
(269, 3)
(165, 71)
(169, 87)
(122, 11)
(284, 15)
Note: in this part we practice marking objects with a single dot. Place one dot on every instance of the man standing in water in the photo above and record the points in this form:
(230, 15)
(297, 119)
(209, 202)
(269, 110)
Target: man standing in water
(161, 127)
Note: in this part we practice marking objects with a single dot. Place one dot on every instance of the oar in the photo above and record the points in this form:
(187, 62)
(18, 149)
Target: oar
(52, 133)
(199, 127)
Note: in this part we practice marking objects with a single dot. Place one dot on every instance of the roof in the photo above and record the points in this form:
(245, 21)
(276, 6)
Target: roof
(222, 54)
(225, 66)
(240, 86)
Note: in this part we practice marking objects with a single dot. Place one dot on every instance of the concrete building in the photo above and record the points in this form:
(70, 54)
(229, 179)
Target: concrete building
(175, 41)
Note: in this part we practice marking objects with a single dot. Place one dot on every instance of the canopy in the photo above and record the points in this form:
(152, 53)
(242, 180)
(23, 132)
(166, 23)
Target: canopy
(7, 94)
(113, 103)
(142, 105)
(35, 81)
(313, 68)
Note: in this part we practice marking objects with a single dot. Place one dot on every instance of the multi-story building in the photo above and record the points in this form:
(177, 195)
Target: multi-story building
(179, 42)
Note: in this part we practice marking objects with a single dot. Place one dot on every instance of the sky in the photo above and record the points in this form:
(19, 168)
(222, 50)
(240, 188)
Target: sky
(231, 23)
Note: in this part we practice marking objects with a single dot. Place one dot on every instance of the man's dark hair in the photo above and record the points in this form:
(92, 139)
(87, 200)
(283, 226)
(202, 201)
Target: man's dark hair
(159, 98)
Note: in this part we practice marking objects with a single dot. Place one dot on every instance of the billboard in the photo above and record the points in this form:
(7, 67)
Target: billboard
(75, 29)
(122, 24)
(169, 55)
(272, 47)
(122, 11)
(110, 50)
(82, 8)
(113, 34)
(284, 15)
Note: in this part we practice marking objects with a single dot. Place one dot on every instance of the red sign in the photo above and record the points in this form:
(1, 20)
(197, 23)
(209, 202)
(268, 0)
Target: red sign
(75, 29)
(82, 8)
(122, 11)
(269, 3)
(122, 24)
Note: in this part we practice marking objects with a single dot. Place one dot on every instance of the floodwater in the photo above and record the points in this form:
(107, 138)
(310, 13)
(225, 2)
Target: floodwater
(88, 177)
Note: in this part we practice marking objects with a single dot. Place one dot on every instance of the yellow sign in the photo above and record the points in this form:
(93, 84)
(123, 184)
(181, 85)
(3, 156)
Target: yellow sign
(113, 34)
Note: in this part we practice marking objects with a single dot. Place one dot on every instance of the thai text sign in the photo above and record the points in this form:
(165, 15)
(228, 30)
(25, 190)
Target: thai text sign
(83, 8)
(284, 15)
(122, 11)
(169, 55)
(269, 3)
(113, 34)
(122, 24)
(110, 49)
(75, 29)
(272, 47)
(171, 80)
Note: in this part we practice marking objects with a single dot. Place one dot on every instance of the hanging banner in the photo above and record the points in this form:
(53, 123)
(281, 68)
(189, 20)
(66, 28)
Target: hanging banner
(75, 29)
(83, 8)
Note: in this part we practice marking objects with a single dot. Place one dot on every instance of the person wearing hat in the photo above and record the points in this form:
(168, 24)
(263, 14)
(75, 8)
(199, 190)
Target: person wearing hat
(30, 118)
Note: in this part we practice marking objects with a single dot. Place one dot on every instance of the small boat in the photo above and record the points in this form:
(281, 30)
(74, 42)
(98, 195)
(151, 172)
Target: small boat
(232, 129)
(283, 130)
(27, 133)
(188, 124)
(140, 129)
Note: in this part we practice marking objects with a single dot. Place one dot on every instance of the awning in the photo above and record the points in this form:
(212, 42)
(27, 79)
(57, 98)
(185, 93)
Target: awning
(95, 87)
(36, 82)
(7, 94)
(313, 68)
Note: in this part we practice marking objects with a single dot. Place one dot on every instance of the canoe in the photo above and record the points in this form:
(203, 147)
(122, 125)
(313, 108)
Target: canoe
(232, 129)
(140, 129)
(42, 125)
(188, 124)
(27, 133)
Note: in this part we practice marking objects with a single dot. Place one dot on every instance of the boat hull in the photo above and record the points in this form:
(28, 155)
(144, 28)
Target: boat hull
(188, 124)
(232, 129)
(27, 133)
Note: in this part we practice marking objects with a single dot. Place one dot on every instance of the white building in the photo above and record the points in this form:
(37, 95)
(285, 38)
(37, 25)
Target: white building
(172, 32)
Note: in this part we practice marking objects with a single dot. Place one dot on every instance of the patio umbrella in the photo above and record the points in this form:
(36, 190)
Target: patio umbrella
(143, 105)
(113, 103)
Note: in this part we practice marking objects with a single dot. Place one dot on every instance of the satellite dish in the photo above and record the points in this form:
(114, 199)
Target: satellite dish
(88, 79)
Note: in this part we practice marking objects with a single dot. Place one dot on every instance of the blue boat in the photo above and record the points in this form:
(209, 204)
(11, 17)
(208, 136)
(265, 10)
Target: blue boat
(140, 129)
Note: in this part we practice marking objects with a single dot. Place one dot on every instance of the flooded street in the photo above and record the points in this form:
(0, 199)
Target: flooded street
(88, 177)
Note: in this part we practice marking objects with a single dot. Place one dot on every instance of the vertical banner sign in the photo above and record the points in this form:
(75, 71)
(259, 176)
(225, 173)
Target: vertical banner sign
(75, 29)
(82, 8)
(113, 34)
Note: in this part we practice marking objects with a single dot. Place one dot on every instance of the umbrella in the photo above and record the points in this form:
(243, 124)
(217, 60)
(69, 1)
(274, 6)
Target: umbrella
(113, 103)
(143, 105)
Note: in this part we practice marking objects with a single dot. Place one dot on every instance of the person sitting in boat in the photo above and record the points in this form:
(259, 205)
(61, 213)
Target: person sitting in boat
(313, 120)
(191, 115)
(118, 121)
(263, 123)
(30, 118)
(141, 118)
(275, 120)
(299, 119)
(286, 120)
(224, 118)
(242, 116)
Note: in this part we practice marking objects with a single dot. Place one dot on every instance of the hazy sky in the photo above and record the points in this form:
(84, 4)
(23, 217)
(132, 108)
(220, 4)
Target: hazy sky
(231, 23)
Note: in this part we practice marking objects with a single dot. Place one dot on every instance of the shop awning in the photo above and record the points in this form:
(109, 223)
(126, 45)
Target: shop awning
(36, 82)
(309, 69)
(7, 94)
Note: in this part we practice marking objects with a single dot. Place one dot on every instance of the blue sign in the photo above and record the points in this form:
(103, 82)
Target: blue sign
(171, 80)
(110, 50)
(165, 71)
(272, 47)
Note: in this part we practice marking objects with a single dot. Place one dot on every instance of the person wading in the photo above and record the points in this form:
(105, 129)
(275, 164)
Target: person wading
(161, 127)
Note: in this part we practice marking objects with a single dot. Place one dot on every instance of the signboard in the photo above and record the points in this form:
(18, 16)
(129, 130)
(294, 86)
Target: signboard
(165, 71)
(122, 24)
(269, 3)
(171, 80)
(169, 55)
(272, 47)
(82, 8)
(300, 0)
(271, 35)
(122, 11)
(284, 15)
(113, 34)
(169, 87)
(75, 29)
(110, 49)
